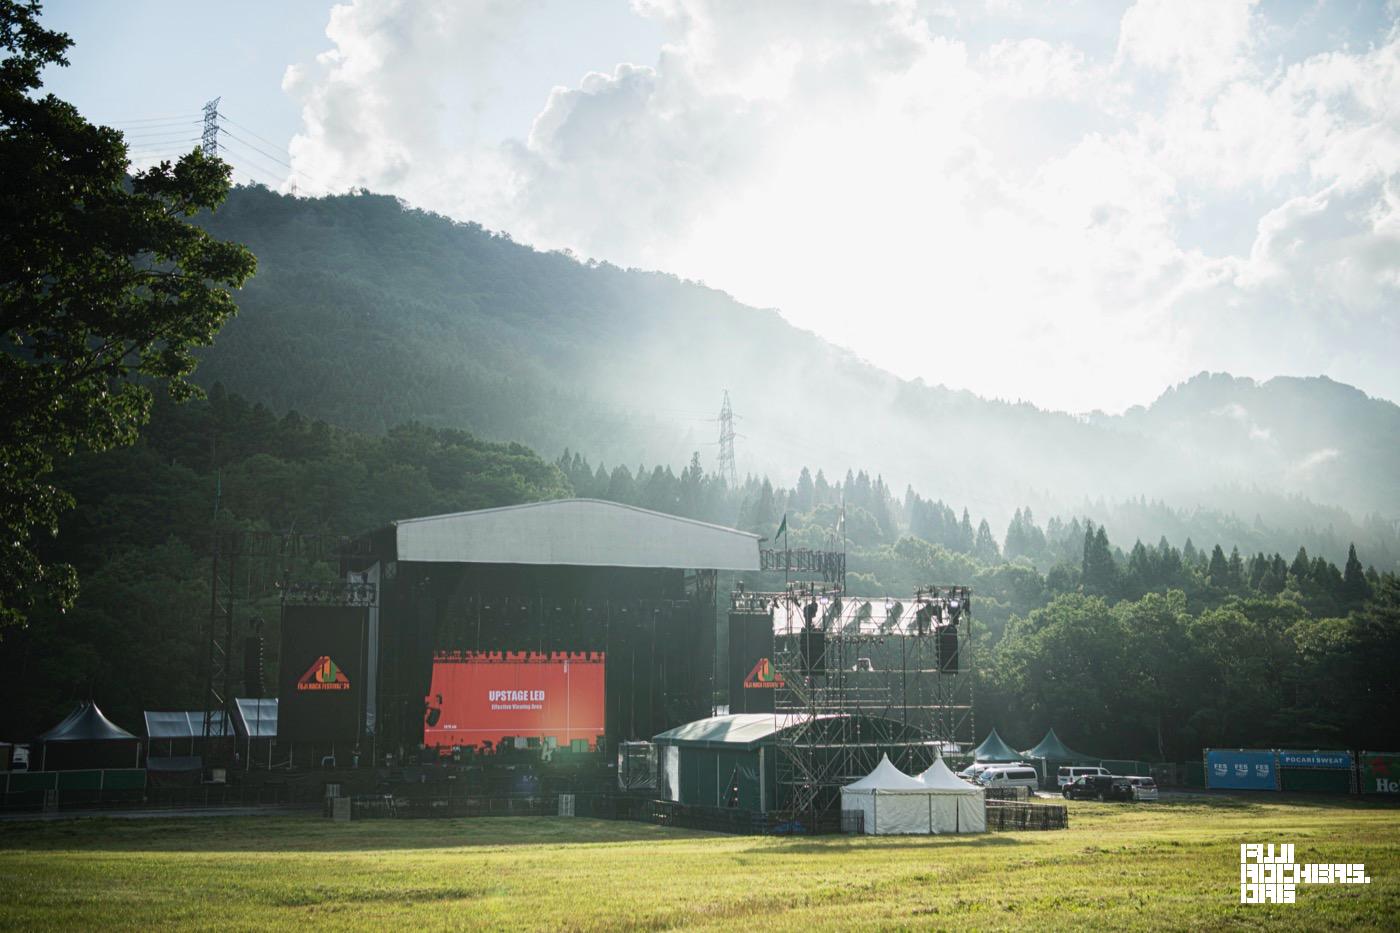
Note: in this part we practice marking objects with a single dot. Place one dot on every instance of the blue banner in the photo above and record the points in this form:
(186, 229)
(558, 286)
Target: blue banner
(1337, 761)
(1241, 769)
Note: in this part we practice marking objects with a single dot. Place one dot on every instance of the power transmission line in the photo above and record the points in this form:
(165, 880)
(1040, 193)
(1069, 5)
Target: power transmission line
(283, 162)
(170, 134)
(153, 138)
(226, 118)
(256, 149)
(173, 116)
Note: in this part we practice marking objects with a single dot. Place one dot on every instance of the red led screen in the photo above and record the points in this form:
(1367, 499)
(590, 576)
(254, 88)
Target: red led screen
(486, 696)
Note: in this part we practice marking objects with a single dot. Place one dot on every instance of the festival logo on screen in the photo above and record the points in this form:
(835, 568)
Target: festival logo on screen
(325, 674)
(763, 676)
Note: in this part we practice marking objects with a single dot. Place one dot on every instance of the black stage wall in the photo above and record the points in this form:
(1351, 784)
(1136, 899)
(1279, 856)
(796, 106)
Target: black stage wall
(322, 679)
(655, 627)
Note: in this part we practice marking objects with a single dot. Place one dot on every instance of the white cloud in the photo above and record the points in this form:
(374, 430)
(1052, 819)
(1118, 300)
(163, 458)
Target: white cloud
(1204, 43)
(1087, 225)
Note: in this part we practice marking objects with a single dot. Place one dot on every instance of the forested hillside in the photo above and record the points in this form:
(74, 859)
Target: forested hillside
(139, 539)
(1150, 649)
(369, 315)
(1181, 546)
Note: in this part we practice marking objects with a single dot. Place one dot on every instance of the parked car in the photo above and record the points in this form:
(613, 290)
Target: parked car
(1099, 787)
(1071, 773)
(1144, 788)
(1014, 776)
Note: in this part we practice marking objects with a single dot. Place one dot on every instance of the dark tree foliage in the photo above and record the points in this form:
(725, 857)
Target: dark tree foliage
(104, 289)
(1100, 573)
(1156, 661)
(139, 539)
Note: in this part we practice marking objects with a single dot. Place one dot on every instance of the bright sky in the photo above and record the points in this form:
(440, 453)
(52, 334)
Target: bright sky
(1077, 204)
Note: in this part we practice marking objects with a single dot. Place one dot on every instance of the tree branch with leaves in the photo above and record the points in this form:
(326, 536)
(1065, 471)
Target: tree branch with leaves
(106, 289)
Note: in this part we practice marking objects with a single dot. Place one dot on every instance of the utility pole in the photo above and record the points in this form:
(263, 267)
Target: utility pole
(209, 141)
(727, 470)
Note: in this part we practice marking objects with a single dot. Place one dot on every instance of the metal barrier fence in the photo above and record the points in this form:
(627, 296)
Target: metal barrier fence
(715, 819)
(198, 796)
(1008, 793)
(464, 806)
(597, 806)
(1008, 817)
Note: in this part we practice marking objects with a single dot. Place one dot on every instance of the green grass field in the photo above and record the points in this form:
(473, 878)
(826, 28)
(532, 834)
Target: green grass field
(1169, 865)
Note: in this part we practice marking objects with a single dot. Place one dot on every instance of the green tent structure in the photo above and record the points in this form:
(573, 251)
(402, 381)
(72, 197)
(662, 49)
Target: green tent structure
(994, 751)
(1052, 754)
(1051, 747)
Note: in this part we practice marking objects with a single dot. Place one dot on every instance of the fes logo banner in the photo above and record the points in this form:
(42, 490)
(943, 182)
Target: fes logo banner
(763, 676)
(324, 675)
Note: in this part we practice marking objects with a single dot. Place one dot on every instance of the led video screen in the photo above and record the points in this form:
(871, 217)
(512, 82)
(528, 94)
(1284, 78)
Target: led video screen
(483, 698)
(321, 686)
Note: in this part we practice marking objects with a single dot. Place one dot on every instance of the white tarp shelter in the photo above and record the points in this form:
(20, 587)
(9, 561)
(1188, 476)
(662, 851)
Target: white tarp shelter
(955, 806)
(892, 801)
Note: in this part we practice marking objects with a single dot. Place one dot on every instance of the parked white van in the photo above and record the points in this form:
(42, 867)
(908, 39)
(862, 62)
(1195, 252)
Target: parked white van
(974, 771)
(1010, 776)
(1069, 775)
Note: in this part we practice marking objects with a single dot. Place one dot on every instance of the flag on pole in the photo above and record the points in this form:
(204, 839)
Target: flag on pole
(782, 529)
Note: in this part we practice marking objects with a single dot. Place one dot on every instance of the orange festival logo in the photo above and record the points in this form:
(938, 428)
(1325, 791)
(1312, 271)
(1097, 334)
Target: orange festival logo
(325, 674)
(763, 675)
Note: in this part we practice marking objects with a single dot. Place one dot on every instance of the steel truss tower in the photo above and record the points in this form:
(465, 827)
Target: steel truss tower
(247, 567)
(859, 678)
(209, 140)
(728, 470)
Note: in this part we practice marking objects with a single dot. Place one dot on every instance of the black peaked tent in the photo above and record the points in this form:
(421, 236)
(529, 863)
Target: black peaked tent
(994, 751)
(87, 739)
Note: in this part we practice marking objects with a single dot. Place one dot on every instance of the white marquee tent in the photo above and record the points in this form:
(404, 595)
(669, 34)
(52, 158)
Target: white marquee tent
(892, 801)
(936, 801)
(955, 806)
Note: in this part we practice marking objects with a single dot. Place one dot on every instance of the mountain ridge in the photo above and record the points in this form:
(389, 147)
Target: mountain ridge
(369, 314)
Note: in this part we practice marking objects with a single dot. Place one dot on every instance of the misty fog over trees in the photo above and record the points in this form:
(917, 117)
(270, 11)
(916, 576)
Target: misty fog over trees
(368, 314)
(1150, 649)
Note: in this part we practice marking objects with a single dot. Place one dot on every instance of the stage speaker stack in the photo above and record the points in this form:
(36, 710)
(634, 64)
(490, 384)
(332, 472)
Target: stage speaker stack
(948, 649)
(814, 652)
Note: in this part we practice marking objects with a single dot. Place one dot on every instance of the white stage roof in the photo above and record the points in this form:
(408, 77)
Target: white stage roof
(579, 532)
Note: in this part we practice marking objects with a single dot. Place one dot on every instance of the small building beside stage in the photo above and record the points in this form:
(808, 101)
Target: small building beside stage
(732, 761)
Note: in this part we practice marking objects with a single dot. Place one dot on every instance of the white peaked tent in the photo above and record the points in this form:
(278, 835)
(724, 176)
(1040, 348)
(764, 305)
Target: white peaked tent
(892, 801)
(955, 806)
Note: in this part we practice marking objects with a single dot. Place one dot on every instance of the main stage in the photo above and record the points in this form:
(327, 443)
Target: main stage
(565, 627)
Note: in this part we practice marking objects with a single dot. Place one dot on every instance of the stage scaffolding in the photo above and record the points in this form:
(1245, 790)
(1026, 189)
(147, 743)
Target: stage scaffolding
(862, 677)
(247, 568)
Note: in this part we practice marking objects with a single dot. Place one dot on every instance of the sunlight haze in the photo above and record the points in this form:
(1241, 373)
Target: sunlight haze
(1077, 204)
